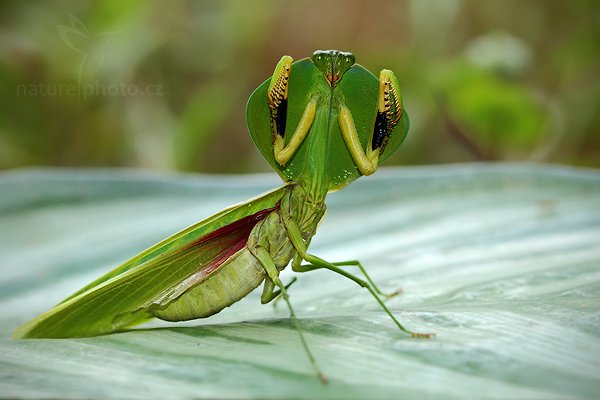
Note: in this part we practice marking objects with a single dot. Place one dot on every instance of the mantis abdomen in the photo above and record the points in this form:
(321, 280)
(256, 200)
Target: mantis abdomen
(210, 291)
(234, 279)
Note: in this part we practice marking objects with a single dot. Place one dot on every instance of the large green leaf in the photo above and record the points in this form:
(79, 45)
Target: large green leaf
(501, 261)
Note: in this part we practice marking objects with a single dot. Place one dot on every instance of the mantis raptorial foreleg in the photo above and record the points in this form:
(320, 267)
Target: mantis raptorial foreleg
(277, 99)
(316, 262)
(282, 152)
(389, 112)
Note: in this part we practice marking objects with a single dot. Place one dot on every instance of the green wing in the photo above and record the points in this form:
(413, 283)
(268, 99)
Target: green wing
(118, 299)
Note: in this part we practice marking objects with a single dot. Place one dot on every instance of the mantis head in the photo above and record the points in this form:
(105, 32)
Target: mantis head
(333, 64)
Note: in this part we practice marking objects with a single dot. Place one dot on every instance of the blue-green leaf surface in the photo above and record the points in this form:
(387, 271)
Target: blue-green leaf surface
(501, 261)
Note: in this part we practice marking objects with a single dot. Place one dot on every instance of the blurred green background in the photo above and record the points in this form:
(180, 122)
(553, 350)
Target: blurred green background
(163, 85)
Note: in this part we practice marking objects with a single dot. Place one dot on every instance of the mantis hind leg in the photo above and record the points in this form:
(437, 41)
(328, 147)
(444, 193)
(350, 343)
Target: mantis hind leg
(266, 261)
(269, 293)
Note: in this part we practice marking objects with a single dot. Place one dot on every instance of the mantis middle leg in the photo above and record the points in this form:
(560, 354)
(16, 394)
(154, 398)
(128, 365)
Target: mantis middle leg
(316, 262)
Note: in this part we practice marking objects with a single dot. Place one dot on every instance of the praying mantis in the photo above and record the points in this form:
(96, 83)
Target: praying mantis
(320, 122)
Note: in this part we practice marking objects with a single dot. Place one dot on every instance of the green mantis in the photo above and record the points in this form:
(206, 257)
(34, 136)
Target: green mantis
(320, 122)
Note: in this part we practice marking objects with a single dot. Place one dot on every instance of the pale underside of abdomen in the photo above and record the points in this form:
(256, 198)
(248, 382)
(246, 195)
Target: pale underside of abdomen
(237, 277)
